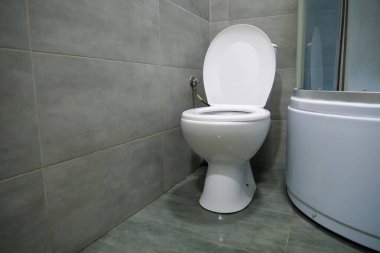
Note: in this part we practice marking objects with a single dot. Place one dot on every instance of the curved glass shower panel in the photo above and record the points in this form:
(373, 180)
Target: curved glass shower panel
(362, 65)
(321, 44)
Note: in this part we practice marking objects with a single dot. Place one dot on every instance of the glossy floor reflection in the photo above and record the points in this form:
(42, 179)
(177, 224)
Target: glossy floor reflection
(175, 222)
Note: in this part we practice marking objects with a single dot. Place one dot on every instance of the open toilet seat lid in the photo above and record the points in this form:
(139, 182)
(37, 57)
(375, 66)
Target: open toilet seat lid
(239, 67)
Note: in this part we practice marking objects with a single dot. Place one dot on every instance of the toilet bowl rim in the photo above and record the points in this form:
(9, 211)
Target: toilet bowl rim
(249, 113)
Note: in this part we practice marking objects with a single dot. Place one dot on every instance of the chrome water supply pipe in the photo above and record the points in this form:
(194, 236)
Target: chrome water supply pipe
(194, 81)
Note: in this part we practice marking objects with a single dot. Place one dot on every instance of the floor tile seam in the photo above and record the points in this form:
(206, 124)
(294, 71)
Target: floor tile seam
(270, 213)
(148, 220)
(274, 212)
(229, 245)
(182, 8)
(114, 146)
(100, 58)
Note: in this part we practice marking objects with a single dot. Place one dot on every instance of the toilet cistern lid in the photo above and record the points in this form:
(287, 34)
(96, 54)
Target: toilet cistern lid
(239, 67)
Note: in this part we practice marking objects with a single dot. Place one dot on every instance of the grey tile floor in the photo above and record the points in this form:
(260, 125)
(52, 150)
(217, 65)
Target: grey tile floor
(175, 222)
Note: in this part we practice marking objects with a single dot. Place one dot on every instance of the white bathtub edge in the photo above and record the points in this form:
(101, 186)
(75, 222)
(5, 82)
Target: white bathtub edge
(333, 225)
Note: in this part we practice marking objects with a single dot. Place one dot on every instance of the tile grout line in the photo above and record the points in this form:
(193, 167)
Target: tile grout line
(180, 7)
(34, 84)
(94, 58)
(270, 16)
(96, 151)
(162, 164)
(105, 148)
(116, 60)
(209, 23)
(15, 49)
(161, 102)
(159, 35)
(20, 175)
(110, 59)
(50, 242)
(113, 146)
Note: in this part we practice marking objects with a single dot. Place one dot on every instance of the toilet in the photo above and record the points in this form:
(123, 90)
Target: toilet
(238, 73)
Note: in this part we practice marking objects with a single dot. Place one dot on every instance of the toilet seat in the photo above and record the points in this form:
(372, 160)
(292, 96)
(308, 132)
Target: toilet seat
(226, 113)
(239, 67)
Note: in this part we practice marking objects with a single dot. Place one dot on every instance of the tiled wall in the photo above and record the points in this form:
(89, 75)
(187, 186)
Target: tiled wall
(91, 94)
(278, 19)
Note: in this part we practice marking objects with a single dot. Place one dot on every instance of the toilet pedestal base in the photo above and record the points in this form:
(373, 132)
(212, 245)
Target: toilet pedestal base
(227, 189)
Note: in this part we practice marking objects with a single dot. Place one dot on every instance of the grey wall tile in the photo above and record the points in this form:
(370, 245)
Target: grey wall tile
(23, 221)
(19, 146)
(217, 27)
(179, 161)
(86, 104)
(13, 24)
(282, 90)
(272, 154)
(176, 94)
(219, 10)
(89, 195)
(201, 8)
(282, 30)
(115, 29)
(183, 37)
(241, 9)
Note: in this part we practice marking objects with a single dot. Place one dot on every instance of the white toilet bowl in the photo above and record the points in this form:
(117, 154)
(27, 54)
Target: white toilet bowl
(238, 76)
(226, 137)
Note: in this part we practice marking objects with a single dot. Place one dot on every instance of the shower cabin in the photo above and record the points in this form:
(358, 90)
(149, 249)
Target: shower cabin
(333, 145)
